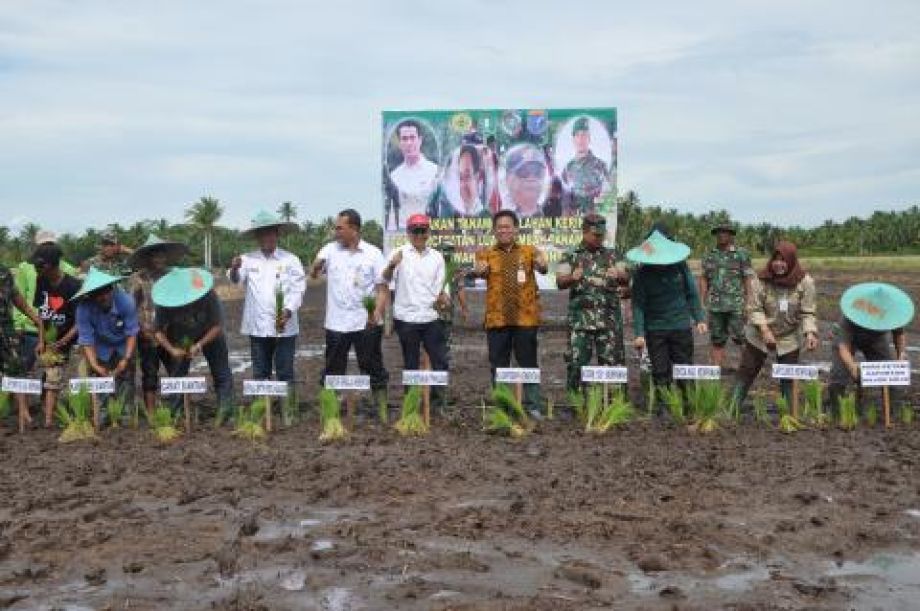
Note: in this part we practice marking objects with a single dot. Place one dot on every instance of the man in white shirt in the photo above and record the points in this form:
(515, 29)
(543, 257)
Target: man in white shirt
(419, 272)
(356, 299)
(416, 177)
(275, 285)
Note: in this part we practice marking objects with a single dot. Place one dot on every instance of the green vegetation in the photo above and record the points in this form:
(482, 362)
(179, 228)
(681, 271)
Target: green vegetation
(507, 415)
(601, 417)
(75, 413)
(163, 424)
(846, 412)
(250, 420)
(411, 423)
(330, 416)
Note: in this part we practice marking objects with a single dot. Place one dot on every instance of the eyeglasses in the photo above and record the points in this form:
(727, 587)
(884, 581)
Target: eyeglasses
(418, 230)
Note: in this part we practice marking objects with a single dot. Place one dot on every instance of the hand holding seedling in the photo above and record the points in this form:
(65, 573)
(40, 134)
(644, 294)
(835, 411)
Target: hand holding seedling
(811, 341)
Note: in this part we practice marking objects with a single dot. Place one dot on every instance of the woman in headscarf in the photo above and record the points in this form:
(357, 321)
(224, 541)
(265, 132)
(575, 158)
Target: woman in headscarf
(782, 315)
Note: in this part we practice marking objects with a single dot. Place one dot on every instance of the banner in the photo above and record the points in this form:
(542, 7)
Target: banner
(551, 166)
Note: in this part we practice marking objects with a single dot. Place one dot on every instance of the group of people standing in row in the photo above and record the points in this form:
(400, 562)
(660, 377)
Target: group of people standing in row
(137, 305)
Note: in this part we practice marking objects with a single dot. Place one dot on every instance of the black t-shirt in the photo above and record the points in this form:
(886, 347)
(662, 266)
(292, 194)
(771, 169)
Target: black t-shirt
(53, 304)
(191, 321)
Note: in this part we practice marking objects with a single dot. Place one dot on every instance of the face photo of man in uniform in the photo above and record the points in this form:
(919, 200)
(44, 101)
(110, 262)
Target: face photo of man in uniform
(525, 179)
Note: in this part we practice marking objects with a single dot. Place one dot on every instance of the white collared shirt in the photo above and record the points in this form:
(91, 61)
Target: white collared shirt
(419, 280)
(350, 276)
(415, 183)
(263, 276)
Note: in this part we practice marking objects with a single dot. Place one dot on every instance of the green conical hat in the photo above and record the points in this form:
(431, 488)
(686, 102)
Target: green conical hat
(877, 306)
(265, 220)
(174, 251)
(658, 250)
(95, 280)
(181, 286)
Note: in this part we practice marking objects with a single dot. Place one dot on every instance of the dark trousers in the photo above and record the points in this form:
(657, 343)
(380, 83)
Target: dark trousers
(150, 356)
(666, 349)
(752, 360)
(367, 343)
(218, 358)
(877, 348)
(502, 341)
(268, 351)
(124, 383)
(429, 334)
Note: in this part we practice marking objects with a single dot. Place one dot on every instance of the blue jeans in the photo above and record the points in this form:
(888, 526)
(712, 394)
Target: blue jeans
(27, 344)
(268, 350)
(219, 364)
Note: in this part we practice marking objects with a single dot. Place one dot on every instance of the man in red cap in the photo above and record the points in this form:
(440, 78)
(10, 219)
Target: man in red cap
(419, 273)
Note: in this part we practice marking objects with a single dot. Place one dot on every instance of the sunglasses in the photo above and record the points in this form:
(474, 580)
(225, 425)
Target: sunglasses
(418, 230)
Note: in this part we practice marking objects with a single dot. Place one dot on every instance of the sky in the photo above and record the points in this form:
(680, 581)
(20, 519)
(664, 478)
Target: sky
(785, 111)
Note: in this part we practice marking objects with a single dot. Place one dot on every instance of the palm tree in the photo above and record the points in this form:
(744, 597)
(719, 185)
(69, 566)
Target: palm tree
(204, 214)
(287, 211)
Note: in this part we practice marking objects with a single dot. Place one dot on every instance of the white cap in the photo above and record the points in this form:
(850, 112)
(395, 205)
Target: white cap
(44, 236)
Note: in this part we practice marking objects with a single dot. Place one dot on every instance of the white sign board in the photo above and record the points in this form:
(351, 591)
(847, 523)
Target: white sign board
(422, 377)
(264, 388)
(697, 372)
(794, 372)
(347, 382)
(95, 386)
(513, 375)
(22, 386)
(183, 386)
(884, 373)
(604, 375)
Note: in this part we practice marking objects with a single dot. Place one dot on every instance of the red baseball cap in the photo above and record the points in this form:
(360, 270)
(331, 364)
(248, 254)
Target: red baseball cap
(418, 220)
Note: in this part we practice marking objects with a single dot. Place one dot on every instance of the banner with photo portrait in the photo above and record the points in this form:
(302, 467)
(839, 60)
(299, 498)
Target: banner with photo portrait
(551, 166)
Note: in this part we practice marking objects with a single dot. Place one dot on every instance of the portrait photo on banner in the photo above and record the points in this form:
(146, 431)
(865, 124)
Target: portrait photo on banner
(411, 170)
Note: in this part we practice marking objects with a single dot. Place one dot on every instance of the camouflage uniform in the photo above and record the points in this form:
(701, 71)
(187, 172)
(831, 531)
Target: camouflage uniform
(595, 320)
(725, 272)
(117, 266)
(10, 361)
(587, 176)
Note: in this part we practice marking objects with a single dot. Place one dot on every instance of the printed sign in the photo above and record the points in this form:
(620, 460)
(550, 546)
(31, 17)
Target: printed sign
(884, 373)
(22, 386)
(794, 372)
(697, 372)
(421, 377)
(348, 382)
(604, 375)
(263, 388)
(95, 386)
(513, 375)
(181, 386)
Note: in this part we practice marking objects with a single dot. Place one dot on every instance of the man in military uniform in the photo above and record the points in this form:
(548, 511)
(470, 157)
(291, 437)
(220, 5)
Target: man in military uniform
(590, 273)
(10, 359)
(725, 285)
(585, 174)
(112, 257)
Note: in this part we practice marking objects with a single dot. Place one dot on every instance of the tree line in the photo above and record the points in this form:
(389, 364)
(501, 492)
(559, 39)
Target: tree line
(882, 233)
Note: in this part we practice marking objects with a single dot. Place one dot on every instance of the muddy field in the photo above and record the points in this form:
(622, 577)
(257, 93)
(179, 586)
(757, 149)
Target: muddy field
(651, 516)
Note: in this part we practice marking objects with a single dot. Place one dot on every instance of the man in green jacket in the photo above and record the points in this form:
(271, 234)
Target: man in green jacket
(26, 278)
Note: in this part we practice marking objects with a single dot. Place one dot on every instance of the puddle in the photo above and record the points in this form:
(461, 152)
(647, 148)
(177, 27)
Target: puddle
(741, 581)
(885, 581)
(914, 513)
(294, 581)
(340, 599)
(322, 545)
(241, 360)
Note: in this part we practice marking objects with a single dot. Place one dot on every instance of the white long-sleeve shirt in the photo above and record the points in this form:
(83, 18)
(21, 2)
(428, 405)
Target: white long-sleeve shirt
(262, 275)
(351, 275)
(419, 280)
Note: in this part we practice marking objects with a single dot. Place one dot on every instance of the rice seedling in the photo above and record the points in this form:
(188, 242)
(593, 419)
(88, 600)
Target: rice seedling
(550, 408)
(674, 400)
(616, 413)
(50, 357)
(787, 423)
(330, 416)
(906, 414)
(410, 421)
(872, 415)
(760, 410)
(163, 424)
(5, 403)
(847, 416)
(279, 308)
(370, 304)
(289, 409)
(75, 414)
(507, 415)
(708, 402)
(813, 407)
(115, 409)
(576, 399)
(250, 420)
(186, 344)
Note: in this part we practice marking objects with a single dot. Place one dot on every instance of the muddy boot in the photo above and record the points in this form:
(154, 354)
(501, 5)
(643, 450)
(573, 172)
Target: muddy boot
(380, 399)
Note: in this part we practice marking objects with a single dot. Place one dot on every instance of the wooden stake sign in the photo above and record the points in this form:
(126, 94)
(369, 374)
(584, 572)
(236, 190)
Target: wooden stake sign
(184, 386)
(794, 373)
(604, 375)
(94, 386)
(265, 389)
(885, 374)
(22, 386)
(348, 383)
(426, 379)
(518, 376)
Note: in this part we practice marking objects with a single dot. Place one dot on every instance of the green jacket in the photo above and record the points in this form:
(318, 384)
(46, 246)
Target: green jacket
(664, 298)
(26, 279)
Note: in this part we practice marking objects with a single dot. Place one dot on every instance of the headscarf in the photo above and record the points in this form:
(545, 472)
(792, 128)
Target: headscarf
(795, 271)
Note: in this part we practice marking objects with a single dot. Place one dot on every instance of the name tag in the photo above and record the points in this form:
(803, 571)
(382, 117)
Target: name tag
(885, 373)
(696, 372)
(177, 386)
(521, 276)
(95, 386)
(513, 375)
(22, 386)
(606, 375)
(794, 372)
(783, 305)
(347, 382)
(262, 388)
(420, 377)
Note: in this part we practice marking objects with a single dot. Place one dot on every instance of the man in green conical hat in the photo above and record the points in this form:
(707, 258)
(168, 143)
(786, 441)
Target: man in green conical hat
(150, 262)
(874, 317)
